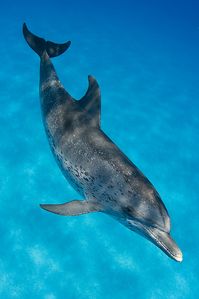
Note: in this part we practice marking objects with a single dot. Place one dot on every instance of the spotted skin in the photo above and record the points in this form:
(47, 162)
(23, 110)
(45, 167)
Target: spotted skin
(107, 180)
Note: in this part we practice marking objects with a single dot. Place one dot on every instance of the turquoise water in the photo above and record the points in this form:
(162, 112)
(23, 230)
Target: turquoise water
(145, 58)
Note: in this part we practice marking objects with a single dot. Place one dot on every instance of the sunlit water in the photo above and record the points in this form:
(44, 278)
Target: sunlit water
(145, 58)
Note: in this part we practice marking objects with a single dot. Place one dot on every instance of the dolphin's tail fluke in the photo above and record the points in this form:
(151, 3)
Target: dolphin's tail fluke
(39, 45)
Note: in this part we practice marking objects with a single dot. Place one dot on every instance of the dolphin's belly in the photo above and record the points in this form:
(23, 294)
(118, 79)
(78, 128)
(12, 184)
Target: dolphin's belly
(68, 168)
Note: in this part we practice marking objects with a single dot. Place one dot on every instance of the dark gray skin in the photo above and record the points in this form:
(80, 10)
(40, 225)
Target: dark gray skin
(107, 180)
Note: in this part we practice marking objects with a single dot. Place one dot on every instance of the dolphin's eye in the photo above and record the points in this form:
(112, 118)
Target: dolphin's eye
(128, 210)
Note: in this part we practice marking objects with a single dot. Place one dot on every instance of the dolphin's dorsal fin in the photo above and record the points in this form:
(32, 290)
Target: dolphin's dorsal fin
(91, 102)
(73, 208)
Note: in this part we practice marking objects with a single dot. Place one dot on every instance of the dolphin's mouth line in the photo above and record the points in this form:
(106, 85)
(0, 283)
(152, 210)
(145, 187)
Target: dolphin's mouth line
(161, 243)
(149, 233)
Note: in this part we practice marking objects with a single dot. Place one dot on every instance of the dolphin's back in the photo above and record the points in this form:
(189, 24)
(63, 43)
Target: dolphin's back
(91, 162)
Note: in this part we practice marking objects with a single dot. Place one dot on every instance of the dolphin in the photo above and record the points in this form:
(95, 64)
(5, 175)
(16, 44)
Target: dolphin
(106, 179)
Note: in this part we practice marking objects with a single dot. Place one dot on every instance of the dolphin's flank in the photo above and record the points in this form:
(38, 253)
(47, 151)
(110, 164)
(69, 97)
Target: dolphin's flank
(107, 180)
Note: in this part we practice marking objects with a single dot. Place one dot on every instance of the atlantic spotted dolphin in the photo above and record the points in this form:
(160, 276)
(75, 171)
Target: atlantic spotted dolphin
(106, 179)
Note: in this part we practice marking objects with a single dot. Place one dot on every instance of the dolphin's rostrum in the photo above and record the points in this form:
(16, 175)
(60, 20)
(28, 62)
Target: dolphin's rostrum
(107, 180)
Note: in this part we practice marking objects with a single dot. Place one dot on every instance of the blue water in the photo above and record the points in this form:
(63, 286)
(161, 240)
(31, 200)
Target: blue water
(145, 56)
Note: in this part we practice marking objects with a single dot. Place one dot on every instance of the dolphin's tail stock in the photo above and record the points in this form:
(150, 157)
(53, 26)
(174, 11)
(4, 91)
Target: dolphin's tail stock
(39, 45)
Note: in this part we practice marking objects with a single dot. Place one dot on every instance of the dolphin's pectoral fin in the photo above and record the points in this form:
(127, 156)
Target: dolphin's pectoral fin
(73, 208)
(91, 102)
